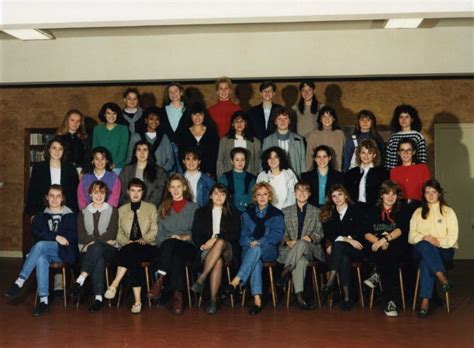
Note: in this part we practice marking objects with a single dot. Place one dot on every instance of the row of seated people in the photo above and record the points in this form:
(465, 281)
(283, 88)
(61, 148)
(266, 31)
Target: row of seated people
(215, 235)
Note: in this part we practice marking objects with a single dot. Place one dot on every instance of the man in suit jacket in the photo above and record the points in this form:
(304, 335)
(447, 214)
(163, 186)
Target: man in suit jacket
(303, 233)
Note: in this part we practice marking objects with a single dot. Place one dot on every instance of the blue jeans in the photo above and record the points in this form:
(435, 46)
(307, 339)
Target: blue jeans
(432, 260)
(177, 161)
(40, 257)
(251, 267)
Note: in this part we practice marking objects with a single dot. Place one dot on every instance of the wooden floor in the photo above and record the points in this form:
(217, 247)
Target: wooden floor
(280, 327)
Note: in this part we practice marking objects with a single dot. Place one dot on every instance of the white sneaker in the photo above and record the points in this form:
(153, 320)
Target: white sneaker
(391, 309)
(372, 281)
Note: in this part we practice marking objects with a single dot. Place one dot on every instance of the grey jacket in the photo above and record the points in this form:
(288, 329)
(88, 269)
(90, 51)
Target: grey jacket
(296, 151)
(312, 227)
(223, 157)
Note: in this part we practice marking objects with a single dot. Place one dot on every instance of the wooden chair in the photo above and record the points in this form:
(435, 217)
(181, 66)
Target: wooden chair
(402, 290)
(229, 280)
(62, 266)
(269, 265)
(146, 266)
(107, 284)
(415, 295)
(357, 266)
(189, 282)
(314, 280)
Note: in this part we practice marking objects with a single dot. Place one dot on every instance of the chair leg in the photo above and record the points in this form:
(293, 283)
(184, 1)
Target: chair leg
(316, 285)
(119, 296)
(361, 293)
(417, 283)
(288, 293)
(64, 286)
(188, 286)
(272, 285)
(371, 302)
(36, 298)
(147, 279)
(107, 282)
(244, 293)
(402, 288)
(447, 302)
(229, 280)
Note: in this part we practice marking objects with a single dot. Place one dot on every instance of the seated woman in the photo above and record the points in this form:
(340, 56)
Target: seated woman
(303, 233)
(144, 168)
(100, 168)
(137, 229)
(363, 182)
(322, 176)
(97, 230)
(277, 173)
(386, 230)
(342, 228)
(175, 245)
(434, 233)
(262, 230)
(216, 231)
(55, 234)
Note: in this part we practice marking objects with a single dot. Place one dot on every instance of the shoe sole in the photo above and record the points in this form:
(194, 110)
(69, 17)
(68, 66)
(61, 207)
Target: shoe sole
(389, 314)
(369, 284)
(40, 314)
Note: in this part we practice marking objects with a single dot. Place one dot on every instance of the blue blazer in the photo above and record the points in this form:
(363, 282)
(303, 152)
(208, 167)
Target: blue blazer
(203, 189)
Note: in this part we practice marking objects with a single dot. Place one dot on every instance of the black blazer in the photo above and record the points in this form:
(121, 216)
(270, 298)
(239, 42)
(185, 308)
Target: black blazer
(166, 126)
(230, 229)
(351, 224)
(334, 177)
(375, 177)
(41, 180)
(257, 121)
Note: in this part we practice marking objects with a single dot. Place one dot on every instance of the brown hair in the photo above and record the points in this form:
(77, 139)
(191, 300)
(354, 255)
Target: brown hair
(58, 188)
(326, 210)
(63, 128)
(100, 185)
(165, 206)
(370, 145)
(258, 186)
(387, 187)
(425, 208)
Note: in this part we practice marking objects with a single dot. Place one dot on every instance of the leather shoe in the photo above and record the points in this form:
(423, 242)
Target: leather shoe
(40, 309)
(211, 308)
(346, 306)
(447, 287)
(282, 281)
(229, 290)
(327, 290)
(75, 291)
(254, 310)
(155, 291)
(197, 288)
(423, 314)
(97, 306)
(178, 303)
(13, 292)
(305, 305)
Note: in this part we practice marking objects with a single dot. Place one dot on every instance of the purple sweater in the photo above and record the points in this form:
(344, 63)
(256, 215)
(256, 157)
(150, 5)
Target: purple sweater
(110, 179)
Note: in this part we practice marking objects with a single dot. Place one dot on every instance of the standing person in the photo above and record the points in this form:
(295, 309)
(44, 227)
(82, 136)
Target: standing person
(282, 180)
(327, 133)
(239, 135)
(405, 124)
(306, 109)
(261, 115)
(55, 235)
(137, 230)
(222, 111)
(322, 177)
(160, 147)
(97, 226)
(239, 182)
(216, 231)
(112, 135)
(290, 142)
(200, 134)
(172, 120)
(363, 181)
(365, 128)
(386, 231)
(99, 168)
(133, 113)
(174, 241)
(144, 168)
(342, 225)
(410, 174)
(261, 232)
(301, 242)
(73, 133)
(53, 170)
(434, 233)
(199, 184)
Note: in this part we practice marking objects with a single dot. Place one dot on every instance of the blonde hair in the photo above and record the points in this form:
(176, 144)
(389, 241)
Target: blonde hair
(64, 129)
(370, 145)
(223, 79)
(260, 185)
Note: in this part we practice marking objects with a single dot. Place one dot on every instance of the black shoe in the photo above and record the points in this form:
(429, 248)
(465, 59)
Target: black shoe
(423, 313)
(282, 281)
(58, 293)
(327, 290)
(75, 291)
(346, 306)
(197, 288)
(229, 290)
(97, 306)
(305, 305)
(254, 310)
(13, 292)
(40, 309)
(212, 308)
(447, 287)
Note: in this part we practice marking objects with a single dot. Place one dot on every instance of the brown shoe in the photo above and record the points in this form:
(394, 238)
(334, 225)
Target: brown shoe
(155, 291)
(178, 303)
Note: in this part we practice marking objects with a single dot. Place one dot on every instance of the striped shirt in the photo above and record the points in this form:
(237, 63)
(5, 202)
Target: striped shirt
(391, 157)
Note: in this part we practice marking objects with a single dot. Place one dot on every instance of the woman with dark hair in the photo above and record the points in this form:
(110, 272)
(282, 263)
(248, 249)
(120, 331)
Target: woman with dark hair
(99, 168)
(112, 135)
(342, 225)
(144, 168)
(262, 229)
(322, 176)
(410, 174)
(239, 135)
(434, 233)
(53, 170)
(306, 109)
(327, 133)
(199, 133)
(97, 226)
(363, 181)
(216, 231)
(387, 228)
(132, 113)
(365, 128)
(73, 133)
(174, 241)
(405, 124)
(277, 173)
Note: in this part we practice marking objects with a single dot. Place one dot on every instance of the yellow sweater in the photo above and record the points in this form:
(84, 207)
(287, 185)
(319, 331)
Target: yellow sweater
(444, 227)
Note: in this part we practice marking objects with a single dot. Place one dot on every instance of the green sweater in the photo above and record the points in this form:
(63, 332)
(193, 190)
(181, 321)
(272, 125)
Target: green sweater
(114, 140)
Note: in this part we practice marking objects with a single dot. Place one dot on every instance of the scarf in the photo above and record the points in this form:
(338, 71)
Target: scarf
(386, 215)
(259, 230)
(135, 233)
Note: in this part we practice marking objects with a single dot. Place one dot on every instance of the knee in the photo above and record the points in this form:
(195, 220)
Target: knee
(219, 264)
(94, 249)
(219, 243)
(256, 251)
(423, 245)
(39, 246)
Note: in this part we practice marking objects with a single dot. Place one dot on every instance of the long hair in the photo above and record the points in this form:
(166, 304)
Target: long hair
(284, 164)
(370, 145)
(326, 149)
(226, 208)
(104, 152)
(405, 109)
(165, 206)
(387, 187)
(114, 108)
(425, 208)
(412, 143)
(326, 210)
(64, 129)
(150, 170)
(332, 112)
(373, 125)
(314, 101)
(247, 132)
(198, 108)
(55, 139)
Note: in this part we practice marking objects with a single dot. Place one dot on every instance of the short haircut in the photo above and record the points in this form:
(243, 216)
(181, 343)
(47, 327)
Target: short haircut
(412, 143)
(281, 156)
(135, 182)
(260, 185)
(387, 187)
(330, 111)
(237, 150)
(100, 185)
(114, 108)
(303, 184)
(192, 151)
(266, 84)
(281, 111)
(131, 90)
(223, 79)
(58, 188)
(152, 111)
(370, 145)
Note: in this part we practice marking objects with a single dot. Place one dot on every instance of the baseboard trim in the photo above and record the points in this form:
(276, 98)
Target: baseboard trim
(11, 253)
